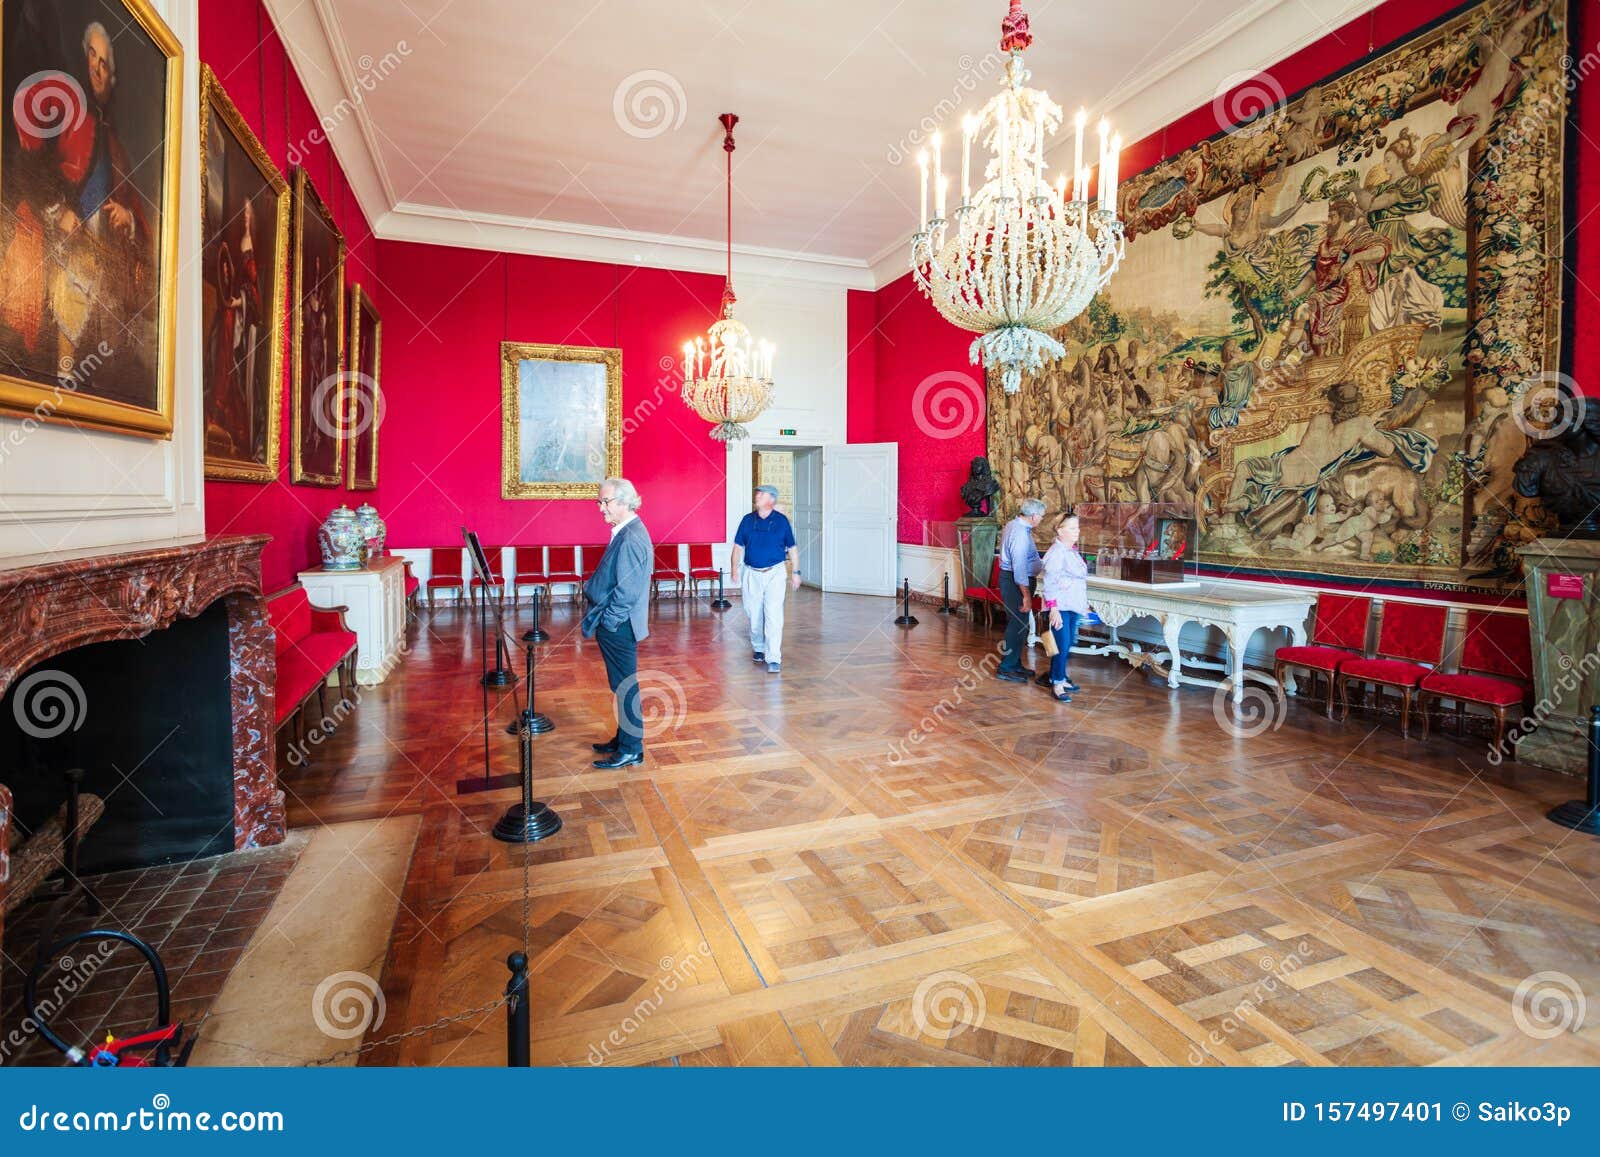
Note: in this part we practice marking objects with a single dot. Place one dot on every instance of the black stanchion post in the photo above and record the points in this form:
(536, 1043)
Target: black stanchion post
(519, 1025)
(1583, 815)
(720, 603)
(535, 633)
(501, 676)
(947, 609)
(906, 618)
(529, 821)
(531, 718)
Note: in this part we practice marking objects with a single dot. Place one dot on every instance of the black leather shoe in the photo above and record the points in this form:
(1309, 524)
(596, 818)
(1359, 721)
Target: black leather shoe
(620, 759)
(759, 657)
(1013, 676)
(609, 747)
(1043, 679)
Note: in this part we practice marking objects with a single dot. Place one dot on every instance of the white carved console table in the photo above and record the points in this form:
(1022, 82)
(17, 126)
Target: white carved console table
(376, 598)
(1237, 609)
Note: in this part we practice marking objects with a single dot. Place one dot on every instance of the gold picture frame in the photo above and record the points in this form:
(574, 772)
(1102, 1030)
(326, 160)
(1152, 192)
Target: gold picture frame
(309, 434)
(215, 103)
(73, 404)
(558, 468)
(363, 417)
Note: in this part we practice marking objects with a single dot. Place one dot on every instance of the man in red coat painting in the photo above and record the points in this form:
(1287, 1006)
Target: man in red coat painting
(80, 214)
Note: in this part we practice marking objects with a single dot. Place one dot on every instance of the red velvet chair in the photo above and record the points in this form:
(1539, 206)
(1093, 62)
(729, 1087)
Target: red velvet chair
(444, 572)
(666, 569)
(530, 571)
(1410, 646)
(413, 584)
(496, 557)
(1496, 670)
(562, 567)
(702, 567)
(987, 597)
(1339, 634)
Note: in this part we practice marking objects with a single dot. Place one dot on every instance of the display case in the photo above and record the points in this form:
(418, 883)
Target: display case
(1144, 542)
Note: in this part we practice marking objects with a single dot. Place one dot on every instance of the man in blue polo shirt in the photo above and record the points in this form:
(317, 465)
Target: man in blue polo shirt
(761, 544)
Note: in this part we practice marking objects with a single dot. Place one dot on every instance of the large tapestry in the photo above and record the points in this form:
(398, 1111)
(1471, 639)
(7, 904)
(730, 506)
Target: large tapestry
(1337, 325)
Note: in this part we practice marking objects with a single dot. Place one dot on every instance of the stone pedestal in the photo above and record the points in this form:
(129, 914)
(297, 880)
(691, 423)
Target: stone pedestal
(1563, 578)
(979, 536)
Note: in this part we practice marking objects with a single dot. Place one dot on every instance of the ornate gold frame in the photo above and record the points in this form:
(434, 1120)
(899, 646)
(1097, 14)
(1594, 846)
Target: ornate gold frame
(55, 404)
(214, 98)
(304, 190)
(512, 352)
(361, 306)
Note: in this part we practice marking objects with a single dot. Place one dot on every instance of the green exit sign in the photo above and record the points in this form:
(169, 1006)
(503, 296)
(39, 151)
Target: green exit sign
(790, 433)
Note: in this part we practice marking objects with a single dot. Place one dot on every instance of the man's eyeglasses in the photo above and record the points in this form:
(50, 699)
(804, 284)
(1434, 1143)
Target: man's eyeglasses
(605, 501)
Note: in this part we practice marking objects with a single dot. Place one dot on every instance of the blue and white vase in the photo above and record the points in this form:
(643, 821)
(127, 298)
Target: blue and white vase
(372, 528)
(344, 545)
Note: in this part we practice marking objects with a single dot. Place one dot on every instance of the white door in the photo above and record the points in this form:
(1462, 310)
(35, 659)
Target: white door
(860, 495)
(807, 513)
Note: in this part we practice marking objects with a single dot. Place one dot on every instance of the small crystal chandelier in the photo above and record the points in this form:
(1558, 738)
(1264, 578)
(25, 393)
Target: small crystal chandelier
(727, 378)
(1019, 259)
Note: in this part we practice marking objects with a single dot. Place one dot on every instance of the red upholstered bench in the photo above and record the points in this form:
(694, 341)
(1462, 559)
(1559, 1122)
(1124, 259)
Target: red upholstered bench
(312, 643)
(988, 597)
(1496, 670)
(1410, 646)
(1340, 633)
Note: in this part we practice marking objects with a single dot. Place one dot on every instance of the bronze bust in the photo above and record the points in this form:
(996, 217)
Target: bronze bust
(980, 489)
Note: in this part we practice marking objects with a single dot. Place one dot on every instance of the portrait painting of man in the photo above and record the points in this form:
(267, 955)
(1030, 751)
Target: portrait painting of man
(89, 149)
(318, 354)
(245, 202)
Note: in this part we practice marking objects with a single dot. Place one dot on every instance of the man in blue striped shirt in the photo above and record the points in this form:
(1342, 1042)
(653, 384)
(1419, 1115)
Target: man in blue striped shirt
(1019, 563)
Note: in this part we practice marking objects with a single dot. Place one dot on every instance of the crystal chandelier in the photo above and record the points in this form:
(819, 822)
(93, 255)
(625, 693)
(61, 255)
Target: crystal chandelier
(1019, 259)
(727, 377)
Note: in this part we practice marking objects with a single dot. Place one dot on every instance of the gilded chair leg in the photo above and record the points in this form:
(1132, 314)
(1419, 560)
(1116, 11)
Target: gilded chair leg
(1330, 677)
(1499, 725)
(1344, 697)
(1422, 706)
(1405, 712)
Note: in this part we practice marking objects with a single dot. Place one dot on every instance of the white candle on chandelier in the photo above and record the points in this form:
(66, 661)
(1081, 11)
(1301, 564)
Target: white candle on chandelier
(969, 129)
(1061, 191)
(1105, 143)
(1079, 121)
(688, 360)
(939, 194)
(938, 174)
(1116, 164)
(922, 218)
(766, 360)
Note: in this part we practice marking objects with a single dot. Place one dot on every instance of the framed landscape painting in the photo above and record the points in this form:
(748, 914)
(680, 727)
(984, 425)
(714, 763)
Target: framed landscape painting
(90, 122)
(318, 346)
(561, 420)
(364, 404)
(244, 267)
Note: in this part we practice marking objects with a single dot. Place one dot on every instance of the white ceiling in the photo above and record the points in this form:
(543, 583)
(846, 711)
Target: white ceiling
(494, 122)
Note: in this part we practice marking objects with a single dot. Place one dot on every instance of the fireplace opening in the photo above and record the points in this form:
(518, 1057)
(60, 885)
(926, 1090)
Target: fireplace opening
(150, 723)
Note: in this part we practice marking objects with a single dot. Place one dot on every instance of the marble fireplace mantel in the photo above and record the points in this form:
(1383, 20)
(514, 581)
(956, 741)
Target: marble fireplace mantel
(50, 608)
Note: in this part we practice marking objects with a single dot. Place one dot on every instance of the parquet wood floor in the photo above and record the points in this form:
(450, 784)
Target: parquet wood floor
(886, 857)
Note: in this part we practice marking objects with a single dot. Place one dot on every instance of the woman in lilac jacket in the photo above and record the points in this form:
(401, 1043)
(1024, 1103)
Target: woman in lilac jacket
(1065, 593)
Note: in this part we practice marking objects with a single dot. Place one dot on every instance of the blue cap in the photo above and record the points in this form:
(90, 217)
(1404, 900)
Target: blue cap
(768, 489)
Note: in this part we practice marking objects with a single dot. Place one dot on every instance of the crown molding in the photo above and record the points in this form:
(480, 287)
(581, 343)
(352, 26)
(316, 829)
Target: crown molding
(1253, 39)
(434, 225)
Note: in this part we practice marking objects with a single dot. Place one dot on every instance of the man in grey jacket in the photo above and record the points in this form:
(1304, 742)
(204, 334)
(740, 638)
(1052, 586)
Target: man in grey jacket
(618, 617)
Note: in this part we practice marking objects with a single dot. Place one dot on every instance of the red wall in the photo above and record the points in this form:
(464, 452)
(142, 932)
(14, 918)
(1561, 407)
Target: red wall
(239, 43)
(913, 346)
(439, 445)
